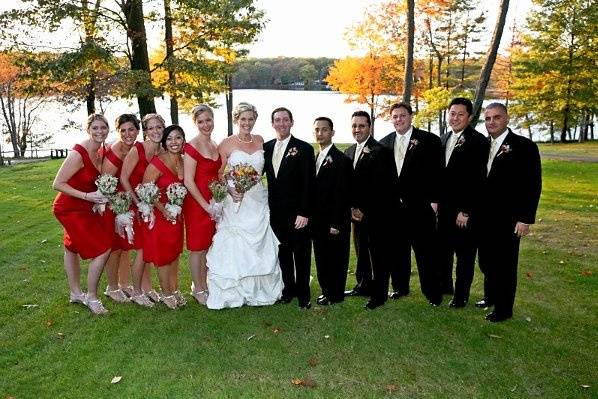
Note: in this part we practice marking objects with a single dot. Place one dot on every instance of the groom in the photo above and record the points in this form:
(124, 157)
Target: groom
(290, 170)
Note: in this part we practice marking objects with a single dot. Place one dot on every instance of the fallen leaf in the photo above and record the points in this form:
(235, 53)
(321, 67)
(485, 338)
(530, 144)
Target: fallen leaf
(585, 386)
(390, 388)
(251, 337)
(562, 262)
(514, 388)
(586, 273)
(326, 336)
(29, 306)
(528, 319)
(43, 241)
(494, 336)
(49, 323)
(60, 335)
(297, 381)
(276, 330)
(116, 379)
(529, 274)
(312, 361)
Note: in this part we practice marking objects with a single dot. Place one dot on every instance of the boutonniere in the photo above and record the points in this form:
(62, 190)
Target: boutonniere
(366, 150)
(504, 149)
(327, 160)
(460, 142)
(412, 144)
(292, 152)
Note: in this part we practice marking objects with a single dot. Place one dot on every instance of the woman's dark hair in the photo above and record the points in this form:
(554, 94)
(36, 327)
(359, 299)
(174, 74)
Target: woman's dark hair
(167, 131)
(124, 118)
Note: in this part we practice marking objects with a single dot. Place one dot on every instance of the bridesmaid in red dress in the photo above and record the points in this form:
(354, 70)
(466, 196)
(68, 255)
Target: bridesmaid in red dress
(163, 244)
(202, 162)
(85, 234)
(119, 264)
(133, 168)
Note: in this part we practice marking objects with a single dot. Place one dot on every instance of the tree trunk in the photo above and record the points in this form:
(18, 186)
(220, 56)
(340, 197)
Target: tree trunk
(489, 64)
(551, 130)
(133, 11)
(174, 104)
(408, 85)
(90, 98)
(229, 102)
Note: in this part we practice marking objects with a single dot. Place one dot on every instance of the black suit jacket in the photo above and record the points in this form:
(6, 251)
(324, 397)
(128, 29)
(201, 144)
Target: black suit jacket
(373, 185)
(332, 202)
(512, 189)
(418, 184)
(462, 178)
(291, 193)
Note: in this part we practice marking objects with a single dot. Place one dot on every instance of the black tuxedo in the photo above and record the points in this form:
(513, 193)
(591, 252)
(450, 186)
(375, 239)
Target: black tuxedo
(372, 186)
(332, 209)
(291, 194)
(509, 195)
(461, 182)
(417, 188)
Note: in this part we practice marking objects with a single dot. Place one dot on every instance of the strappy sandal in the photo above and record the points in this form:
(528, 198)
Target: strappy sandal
(78, 298)
(96, 307)
(142, 300)
(170, 301)
(128, 290)
(117, 295)
(180, 299)
(153, 296)
(200, 296)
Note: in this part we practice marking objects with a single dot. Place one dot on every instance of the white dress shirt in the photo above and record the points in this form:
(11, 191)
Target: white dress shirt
(358, 151)
(321, 157)
(279, 149)
(400, 148)
(452, 141)
(494, 147)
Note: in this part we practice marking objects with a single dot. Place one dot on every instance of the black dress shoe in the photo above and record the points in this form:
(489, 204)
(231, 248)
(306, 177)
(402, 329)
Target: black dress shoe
(457, 303)
(284, 299)
(398, 294)
(323, 301)
(355, 292)
(305, 306)
(483, 304)
(497, 317)
(373, 304)
(321, 296)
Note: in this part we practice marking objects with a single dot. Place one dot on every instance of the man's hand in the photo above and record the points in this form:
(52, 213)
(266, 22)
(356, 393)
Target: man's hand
(356, 214)
(462, 219)
(521, 229)
(334, 231)
(301, 222)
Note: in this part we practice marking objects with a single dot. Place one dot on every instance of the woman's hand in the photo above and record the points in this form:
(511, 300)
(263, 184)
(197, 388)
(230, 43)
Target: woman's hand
(237, 197)
(95, 197)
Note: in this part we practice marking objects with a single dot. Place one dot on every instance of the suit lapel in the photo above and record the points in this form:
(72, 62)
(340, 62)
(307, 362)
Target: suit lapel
(411, 148)
(367, 145)
(283, 161)
(501, 154)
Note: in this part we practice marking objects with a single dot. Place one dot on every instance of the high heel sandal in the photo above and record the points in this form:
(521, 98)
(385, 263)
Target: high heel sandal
(96, 307)
(142, 300)
(78, 298)
(170, 301)
(200, 296)
(153, 296)
(180, 299)
(128, 290)
(117, 295)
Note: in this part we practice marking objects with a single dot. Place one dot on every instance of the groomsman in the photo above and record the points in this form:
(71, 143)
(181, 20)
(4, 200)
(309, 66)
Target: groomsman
(465, 157)
(508, 206)
(290, 170)
(331, 220)
(372, 190)
(417, 165)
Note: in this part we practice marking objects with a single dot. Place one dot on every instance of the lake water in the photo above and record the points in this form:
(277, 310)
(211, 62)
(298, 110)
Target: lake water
(305, 105)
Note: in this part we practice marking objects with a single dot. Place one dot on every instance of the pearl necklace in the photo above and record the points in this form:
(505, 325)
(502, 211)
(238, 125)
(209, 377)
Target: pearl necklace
(245, 141)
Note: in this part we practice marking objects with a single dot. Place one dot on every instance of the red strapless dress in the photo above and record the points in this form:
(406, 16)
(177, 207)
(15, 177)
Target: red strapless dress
(199, 227)
(164, 243)
(119, 242)
(85, 232)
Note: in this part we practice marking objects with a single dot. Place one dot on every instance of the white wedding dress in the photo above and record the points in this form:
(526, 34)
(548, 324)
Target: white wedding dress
(243, 266)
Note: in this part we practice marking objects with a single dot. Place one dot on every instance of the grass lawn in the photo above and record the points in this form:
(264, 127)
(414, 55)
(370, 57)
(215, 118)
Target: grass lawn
(404, 349)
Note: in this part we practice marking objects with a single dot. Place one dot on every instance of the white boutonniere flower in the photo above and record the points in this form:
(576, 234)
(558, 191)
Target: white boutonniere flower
(412, 144)
(292, 152)
(327, 160)
(504, 149)
(460, 142)
(366, 150)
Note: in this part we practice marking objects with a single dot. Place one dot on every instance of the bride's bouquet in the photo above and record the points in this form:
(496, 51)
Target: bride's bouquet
(176, 193)
(123, 223)
(243, 177)
(106, 185)
(219, 191)
(147, 193)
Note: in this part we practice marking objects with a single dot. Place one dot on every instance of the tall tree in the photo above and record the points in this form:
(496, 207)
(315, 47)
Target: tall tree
(408, 85)
(489, 64)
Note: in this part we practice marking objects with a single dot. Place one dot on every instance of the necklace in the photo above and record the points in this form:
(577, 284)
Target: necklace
(245, 141)
(176, 162)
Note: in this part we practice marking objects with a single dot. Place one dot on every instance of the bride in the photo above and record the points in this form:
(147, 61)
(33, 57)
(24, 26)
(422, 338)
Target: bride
(243, 266)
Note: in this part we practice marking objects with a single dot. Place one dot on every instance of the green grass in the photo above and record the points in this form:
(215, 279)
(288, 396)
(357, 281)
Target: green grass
(404, 349)
(588, 148)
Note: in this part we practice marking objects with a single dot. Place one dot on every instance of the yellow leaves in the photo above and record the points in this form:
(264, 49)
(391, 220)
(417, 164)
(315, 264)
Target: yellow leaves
(306, 382)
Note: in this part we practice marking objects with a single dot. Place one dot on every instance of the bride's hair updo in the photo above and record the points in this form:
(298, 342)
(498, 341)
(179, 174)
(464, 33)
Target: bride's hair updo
(200, 109)
(243, 107)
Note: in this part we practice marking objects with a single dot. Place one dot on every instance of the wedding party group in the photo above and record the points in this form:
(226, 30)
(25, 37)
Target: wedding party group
(249, 212)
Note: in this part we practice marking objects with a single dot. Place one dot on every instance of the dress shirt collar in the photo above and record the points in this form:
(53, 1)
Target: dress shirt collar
(500, 139)
(325, 151)
(407, 134)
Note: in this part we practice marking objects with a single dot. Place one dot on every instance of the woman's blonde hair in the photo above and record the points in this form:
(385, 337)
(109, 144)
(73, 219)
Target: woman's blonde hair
(243, 107)
(96, 117)
(149, 117)
(199, 109)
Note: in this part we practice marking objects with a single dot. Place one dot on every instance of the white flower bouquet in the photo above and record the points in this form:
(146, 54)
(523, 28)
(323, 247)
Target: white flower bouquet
(120, 204)
(219, 191)
(106, 185)
(147, 193)
(176, 193)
